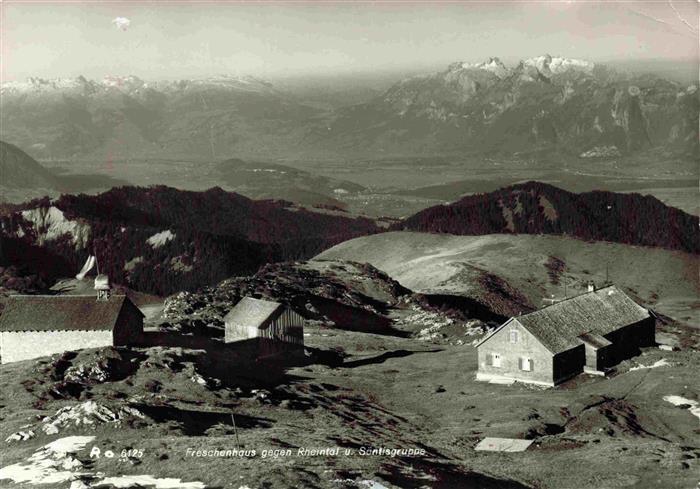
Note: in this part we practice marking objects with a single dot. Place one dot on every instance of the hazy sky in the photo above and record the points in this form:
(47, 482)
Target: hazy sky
(192, 39)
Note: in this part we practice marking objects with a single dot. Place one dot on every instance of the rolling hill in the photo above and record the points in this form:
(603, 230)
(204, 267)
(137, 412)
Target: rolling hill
(19, 170)
(536, 266)
(23, 178)
(538, 208)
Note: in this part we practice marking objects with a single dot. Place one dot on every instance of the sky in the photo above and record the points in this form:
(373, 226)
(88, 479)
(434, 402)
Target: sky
(174, 40)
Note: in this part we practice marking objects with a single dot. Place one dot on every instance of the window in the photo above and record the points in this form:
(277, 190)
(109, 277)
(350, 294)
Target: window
(495, 360)
(525, 364)
(513, 335)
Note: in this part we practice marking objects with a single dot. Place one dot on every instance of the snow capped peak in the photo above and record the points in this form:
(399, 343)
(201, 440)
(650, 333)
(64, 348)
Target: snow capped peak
(79, 83)
(241, 83)
(127, 82)
(37, 84)
(493, 65)
(131, 84)
(549, 65)
(546, 64)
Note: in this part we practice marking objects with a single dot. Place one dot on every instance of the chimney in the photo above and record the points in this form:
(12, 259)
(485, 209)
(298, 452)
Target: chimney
(102, 287)
(591, 287)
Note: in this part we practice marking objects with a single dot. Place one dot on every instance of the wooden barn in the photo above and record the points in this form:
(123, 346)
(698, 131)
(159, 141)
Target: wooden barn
(275, 327)
(33, 326)
(587, 333)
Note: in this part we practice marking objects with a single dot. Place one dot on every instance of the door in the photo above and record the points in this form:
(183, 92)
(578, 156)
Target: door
(496, 359)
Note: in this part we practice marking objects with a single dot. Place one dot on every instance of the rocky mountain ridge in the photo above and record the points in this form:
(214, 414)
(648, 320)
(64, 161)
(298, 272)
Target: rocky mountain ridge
(129, 84)
(543, 102)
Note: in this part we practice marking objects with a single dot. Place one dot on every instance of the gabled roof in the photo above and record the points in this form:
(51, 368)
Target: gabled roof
(489, 335)
(252, 312)
(61, 313)
(599, 313)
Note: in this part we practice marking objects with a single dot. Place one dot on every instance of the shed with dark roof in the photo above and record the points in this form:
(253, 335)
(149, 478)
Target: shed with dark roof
(33, 326)
(590, 332)
(272, 326)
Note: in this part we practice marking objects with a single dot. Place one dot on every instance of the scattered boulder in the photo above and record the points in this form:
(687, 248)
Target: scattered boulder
(20, 436)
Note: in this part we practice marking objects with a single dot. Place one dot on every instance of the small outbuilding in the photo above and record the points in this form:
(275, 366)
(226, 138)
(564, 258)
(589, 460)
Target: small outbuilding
(272, 327)
(33, 326)
(587, 333)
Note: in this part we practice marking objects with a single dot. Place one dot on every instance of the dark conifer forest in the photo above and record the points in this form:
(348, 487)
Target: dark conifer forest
(538, 208)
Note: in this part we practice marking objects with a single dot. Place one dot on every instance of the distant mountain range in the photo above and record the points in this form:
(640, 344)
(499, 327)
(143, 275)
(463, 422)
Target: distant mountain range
(538, 208)
(127, 117)
(544, 102)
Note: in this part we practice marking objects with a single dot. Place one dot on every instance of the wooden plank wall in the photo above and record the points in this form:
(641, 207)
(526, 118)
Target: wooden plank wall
(288, 327)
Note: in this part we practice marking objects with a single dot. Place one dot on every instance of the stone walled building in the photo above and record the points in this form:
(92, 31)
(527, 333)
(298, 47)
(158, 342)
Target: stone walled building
(33, 326)
(587, 333)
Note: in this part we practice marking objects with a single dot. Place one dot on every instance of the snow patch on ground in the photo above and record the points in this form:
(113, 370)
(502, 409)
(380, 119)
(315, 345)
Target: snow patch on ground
(159, 239)
(50, 224)
(693, 406)
(55, 463)
(51, 464)
(129, 481)
(660, 363)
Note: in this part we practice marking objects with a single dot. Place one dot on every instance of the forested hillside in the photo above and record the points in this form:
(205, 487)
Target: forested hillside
(538, 208)
(161, 240)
